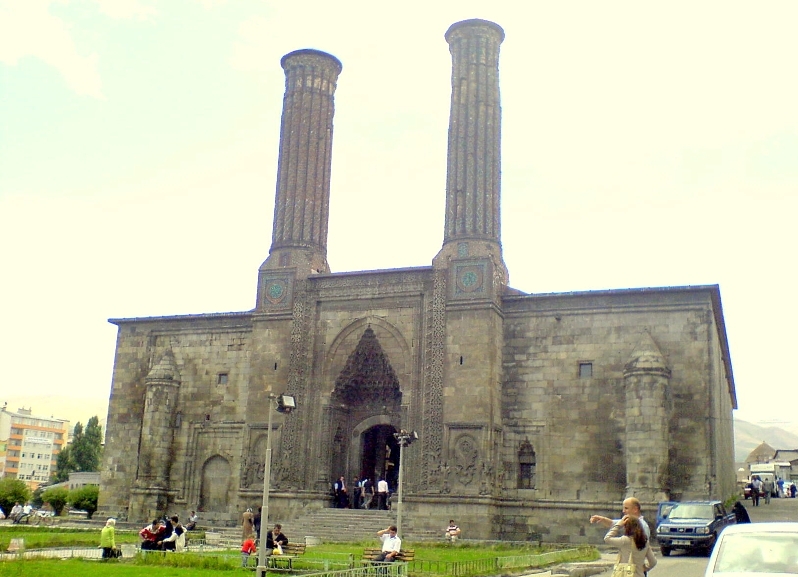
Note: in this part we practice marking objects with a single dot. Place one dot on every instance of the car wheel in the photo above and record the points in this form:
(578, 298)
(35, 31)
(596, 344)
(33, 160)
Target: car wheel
(666, 551)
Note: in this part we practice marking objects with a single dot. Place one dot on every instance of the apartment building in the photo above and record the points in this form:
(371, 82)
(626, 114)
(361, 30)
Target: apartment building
(31, 445)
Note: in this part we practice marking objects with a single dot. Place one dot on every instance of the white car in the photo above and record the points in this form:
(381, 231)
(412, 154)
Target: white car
(755, 549)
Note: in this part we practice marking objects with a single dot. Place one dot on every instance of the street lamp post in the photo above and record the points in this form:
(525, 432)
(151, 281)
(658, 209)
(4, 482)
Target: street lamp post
(404, 439)
(283, 404)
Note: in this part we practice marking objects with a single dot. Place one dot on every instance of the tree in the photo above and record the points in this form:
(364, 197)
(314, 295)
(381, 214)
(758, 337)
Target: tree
(58, 497)
(83, 454)
(85, 499)
(87, 445)
(64, 465)
(13, 491)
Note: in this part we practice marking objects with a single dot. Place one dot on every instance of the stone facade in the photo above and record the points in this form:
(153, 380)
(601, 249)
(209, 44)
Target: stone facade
(533, 411)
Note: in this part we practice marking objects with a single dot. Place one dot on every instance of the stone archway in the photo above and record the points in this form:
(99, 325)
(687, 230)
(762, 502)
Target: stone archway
(373, 450)
(214, 489)
(365, 410)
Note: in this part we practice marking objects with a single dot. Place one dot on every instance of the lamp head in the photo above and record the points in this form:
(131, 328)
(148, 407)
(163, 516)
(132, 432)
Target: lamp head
(285, 403)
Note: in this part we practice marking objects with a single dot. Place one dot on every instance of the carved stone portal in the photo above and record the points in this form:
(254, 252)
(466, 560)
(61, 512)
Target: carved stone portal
(365, 409)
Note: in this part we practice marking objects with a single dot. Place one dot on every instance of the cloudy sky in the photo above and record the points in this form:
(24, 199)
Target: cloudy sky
(643, 145)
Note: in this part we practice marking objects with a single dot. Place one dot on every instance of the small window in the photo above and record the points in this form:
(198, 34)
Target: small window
(221, 379)
(527, 466)
(585, 370)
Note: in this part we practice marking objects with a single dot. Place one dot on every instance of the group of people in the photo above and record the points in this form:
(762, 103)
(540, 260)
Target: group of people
(164, 535)
(18, 512)
(250, 532)
(365, 495)
(766, 488)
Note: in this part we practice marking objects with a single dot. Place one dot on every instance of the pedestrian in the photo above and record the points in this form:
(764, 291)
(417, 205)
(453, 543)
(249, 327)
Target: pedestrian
(630, 506)
(368, 493)
(176, 539)
(357, 495)
(740, 514)
(247, 525)
(248, 548)
(391, 545)
(341, 496)
(107, 541)
(452, 531)
(256, 520)
(756, 489)
(767, 487)
(630, 539)
(382, 494)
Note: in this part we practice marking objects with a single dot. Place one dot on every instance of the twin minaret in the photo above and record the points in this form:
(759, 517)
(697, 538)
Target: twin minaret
(473, 183)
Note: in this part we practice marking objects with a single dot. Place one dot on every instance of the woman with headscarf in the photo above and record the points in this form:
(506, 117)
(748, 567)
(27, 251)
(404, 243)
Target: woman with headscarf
(107, 542)
(248, 525)
(630, 539)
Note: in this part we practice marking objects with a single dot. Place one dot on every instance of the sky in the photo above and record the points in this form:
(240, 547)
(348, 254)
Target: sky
(643, 144)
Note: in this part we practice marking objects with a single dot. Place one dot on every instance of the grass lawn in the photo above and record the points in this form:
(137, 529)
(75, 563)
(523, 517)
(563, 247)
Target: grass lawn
(43, 537)
(433, 556)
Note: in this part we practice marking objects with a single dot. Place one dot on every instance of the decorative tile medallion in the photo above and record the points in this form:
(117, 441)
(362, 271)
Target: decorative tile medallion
(277, 291)
(471, 279)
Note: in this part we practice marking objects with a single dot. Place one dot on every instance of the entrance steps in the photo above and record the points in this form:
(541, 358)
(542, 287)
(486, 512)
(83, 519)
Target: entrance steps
(337, 525)
(340, 524)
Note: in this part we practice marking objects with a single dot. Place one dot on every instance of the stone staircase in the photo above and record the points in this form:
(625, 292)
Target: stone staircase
(337, 525)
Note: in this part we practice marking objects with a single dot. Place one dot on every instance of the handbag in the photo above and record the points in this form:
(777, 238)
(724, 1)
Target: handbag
(623, 569)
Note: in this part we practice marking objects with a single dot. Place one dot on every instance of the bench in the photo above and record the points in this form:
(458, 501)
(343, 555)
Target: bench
(285, 562)
(405, 555)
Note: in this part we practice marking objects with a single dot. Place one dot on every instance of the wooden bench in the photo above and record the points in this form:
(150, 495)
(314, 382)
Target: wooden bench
(285, 562)
(405, 555)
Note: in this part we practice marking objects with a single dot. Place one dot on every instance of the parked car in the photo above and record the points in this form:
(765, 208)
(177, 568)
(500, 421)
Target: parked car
(756, 549)
(693, 526)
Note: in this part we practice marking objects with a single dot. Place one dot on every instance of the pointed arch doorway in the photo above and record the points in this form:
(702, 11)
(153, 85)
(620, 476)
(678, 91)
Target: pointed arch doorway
(366, 410)
(375, 452)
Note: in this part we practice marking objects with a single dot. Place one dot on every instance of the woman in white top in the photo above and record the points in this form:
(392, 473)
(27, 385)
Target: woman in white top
(632, 544)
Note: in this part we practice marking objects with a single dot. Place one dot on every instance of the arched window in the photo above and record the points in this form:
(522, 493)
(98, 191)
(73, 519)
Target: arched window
(526, 466)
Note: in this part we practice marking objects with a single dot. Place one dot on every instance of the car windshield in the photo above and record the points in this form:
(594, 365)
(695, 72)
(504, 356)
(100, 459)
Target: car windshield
(691, 512)
(757, 553)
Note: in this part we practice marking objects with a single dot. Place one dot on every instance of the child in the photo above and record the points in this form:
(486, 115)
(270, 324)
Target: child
(246, 550)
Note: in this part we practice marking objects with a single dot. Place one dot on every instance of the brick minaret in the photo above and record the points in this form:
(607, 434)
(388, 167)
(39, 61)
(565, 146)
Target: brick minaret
(473, 180)
(302, 202)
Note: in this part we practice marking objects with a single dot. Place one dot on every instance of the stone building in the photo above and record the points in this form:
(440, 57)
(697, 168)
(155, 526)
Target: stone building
(532, 410)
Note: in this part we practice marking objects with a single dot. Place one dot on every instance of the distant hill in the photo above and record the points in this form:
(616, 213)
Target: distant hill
(748, 436)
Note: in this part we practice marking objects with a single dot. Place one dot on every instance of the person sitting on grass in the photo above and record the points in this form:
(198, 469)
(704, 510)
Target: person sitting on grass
(150, 536)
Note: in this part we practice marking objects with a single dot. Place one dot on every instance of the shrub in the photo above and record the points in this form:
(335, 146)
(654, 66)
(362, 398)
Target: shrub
(57, 497)
(85, 498)
(12, 491)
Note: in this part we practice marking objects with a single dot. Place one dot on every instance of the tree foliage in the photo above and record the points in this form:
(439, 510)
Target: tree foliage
(84, 453)
(58, 497)
(87, 445)
(63, 465)
(12, 491)
(85, 499)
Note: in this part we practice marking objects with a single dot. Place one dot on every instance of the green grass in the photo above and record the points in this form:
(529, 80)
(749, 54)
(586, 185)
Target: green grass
(46, 537)
(222, 563)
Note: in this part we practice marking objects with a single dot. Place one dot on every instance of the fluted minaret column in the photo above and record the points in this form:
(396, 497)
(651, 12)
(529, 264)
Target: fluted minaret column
(473, 180)
(302, 202)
